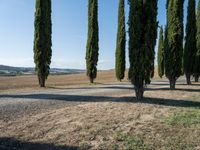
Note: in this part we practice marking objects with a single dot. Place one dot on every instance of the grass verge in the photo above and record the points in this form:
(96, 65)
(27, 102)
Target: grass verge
(187, 118)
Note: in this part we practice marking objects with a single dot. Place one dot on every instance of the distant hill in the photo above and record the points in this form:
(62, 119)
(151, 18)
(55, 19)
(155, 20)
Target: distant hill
(13, 71)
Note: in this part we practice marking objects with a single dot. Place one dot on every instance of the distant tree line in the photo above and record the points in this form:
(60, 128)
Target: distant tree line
(176, 55)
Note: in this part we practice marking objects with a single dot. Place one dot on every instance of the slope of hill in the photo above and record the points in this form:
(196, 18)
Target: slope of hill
(13, 71)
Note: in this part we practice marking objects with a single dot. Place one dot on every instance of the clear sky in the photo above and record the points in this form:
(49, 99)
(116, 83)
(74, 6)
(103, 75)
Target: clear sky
(69, 32)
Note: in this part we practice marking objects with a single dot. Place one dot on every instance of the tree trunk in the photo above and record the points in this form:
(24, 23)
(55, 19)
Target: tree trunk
(188, 78)
(196, 78)
(91, 80)
(172, 83)
(41, 81)
(139, 91)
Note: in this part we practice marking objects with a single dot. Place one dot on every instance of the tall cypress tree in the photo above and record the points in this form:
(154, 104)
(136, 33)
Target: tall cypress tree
(92, 50)
(174, 41)
(190, 41)
(197, 59)
(42, 40)
(120, 64)
(153, 33)
(142, 39)
(161, 54)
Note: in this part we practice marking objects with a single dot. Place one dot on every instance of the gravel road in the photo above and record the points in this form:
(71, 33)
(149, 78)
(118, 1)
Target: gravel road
(13, 106)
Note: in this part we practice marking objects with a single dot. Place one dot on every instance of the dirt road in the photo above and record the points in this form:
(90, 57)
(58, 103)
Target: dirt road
(13, 106)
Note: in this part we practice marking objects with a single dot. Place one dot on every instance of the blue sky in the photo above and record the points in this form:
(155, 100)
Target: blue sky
(69, 32)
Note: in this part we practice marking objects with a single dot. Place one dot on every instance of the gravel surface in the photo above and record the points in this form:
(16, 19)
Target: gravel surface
(13, 106)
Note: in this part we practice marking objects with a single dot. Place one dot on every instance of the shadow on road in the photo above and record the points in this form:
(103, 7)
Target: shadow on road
(14, 144)
(89, 88)
(109, 86)
(167, 84)
(95, 99)
(177, 89)
(128, 87)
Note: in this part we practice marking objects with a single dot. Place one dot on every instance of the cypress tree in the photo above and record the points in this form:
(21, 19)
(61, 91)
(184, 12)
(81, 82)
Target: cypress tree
(174, 41)
(161, 54)
(153, 33)
(120, 65)
(42, 40)
(92, 49)
(190, 42)
(142, 39)
(197, 59)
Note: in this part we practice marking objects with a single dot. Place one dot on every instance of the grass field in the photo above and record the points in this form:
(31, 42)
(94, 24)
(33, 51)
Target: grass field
(30, 82)
(73, 114)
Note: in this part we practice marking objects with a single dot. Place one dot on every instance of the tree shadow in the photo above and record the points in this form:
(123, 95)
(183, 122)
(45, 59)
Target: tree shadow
(96, 99)
(89, 88)
(167, 84)
(149, 88)
(164, 81)
(169, 102)
(159, 84)
(184, 84)
(130, 87)
(14, 144)
(168, 89)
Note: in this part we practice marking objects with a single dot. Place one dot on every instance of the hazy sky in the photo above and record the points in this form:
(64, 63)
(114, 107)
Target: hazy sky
(69, 32)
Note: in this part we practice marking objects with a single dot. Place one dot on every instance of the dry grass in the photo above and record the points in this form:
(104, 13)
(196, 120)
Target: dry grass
(120, 123)
(29, 83)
